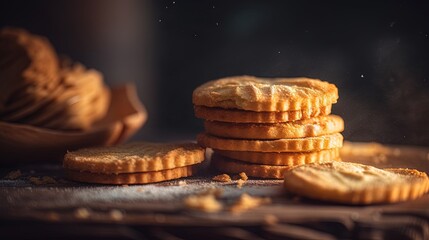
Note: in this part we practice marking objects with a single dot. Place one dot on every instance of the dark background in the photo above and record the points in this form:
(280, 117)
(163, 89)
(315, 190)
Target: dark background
(376, 52)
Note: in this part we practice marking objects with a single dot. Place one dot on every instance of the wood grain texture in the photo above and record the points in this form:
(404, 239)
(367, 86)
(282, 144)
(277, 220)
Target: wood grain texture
(155, 211)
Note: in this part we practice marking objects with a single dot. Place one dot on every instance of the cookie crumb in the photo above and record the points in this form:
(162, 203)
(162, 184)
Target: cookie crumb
(13, 175)
(396, 152)
(222, 178)
(296, 199)
(246, 202)
(243, 176)
(43, 180)
(380, 158)
(82, 213)
(242, 180)
(53, 216)
(140, 189)
(270, 219)
(159, 218)
(205, 201)
(240, 183)
(116, 215)
(182, 183)
(217, 192)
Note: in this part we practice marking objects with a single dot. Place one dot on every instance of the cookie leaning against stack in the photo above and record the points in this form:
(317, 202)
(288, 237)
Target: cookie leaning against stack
(265, 126)
(133, 163)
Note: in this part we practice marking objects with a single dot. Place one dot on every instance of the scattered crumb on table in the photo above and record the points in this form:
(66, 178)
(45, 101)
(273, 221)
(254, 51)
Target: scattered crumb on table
(82, 213)
(246, 202)
(182, 183)
(13, 175)
(116, 215)
(240, 183)
(42, 180)
(53, 216)
(270, 219)
(222, 178)
(243, 176)
(205, 201)
(242, 180)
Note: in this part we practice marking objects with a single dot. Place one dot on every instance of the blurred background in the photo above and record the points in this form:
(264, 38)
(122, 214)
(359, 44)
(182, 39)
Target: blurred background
(376, 52)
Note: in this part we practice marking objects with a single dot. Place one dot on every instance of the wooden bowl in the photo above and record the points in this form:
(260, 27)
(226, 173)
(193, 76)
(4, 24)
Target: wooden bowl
(24, 143)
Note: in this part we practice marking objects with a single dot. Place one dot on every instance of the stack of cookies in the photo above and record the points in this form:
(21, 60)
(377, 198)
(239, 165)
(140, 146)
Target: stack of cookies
(134, 163)
(36, 89)
(265, 126)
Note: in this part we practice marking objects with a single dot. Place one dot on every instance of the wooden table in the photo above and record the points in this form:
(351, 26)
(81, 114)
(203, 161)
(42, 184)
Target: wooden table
(69, 210)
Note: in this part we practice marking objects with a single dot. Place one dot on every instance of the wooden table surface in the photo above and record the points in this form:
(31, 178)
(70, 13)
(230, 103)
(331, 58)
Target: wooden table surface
(156, 211)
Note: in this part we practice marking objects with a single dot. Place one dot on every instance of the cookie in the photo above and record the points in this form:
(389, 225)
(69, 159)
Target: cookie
(283, 158)
(279, 145)
(224, 164)
(242, 116)
(352, 183)
(312, 127)
(131, 178)
(134, 157)
(263, 94)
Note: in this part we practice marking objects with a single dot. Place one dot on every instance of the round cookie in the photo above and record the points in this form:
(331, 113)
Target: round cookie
(132, 178)
(283, 158)
(242, 116)
(312, 127)
(134, 157)
(263, 94)
(224, 164)
(352, 183)
(279, 145)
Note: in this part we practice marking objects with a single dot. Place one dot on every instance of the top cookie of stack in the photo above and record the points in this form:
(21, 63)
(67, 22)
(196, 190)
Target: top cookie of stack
(265, 126)
(36, 90)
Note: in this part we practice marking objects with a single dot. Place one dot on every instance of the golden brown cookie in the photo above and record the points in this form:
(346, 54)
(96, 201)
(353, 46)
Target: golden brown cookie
(134, 157)
(312, 127)
(131, 178)
(224, 164)
(242, 116)
(353, 183)
(283, 158)
(263, 94)
(279, 145)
